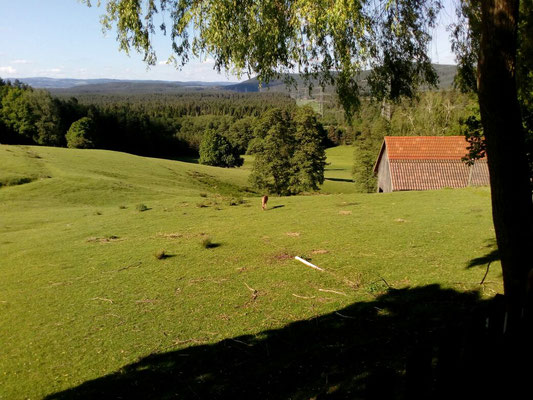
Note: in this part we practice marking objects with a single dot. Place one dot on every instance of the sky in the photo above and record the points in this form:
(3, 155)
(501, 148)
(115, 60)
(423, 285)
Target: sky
(64, 39)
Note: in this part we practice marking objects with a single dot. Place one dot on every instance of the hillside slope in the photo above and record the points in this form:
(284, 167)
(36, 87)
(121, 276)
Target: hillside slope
(97, 291)
(445, 73)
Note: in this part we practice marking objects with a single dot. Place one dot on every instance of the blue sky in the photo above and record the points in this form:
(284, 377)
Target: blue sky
(64, 39)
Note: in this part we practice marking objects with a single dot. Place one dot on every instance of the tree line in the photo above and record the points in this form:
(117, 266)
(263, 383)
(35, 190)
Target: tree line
(165, 125)
(159, 126)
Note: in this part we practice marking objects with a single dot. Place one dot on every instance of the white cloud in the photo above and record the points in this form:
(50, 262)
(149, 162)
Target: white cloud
(21, 62)
(51, 72)
(7, 70)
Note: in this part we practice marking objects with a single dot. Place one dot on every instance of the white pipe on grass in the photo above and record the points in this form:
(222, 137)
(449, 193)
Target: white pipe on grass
(308, 263)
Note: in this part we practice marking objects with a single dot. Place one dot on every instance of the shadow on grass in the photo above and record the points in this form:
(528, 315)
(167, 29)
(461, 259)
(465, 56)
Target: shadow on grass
(490, 257)
(279, 206)
(339, 179)
(187, 159)
(165, 256)
(408, 343)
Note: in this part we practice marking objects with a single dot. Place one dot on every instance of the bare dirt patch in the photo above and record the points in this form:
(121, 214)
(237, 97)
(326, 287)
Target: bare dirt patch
(169, 235)
(281, 256)
(319, 251)
(345, 212)
(147, 301)
(106, 239)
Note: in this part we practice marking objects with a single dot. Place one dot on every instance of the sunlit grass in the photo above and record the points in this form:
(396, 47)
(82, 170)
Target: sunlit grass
(84, 292)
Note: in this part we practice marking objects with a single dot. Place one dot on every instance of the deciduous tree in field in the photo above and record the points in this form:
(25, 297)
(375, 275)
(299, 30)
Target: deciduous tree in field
(269, 37)
(289, 152)
(273, 148)
(309, 158)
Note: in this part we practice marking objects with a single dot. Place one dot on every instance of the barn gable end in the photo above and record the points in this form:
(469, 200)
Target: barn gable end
(427, 162)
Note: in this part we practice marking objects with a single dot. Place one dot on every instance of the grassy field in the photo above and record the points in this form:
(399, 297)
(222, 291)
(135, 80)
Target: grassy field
(83, 295)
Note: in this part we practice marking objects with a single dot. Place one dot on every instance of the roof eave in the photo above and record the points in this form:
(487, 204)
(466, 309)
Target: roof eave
(376, 165)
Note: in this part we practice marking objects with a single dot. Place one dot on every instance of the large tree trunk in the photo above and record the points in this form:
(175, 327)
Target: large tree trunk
(512, 206)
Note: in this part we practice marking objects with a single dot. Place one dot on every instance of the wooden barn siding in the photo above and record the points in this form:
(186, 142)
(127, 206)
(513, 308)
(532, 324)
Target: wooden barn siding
(384, 178)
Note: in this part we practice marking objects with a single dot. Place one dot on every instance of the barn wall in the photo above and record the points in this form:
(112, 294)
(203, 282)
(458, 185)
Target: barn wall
(384, 179)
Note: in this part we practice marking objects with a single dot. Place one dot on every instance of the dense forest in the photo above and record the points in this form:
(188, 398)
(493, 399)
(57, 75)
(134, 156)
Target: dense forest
(151, 125)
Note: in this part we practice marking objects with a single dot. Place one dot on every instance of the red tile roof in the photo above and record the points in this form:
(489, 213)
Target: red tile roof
(430, 162)
(426, 147)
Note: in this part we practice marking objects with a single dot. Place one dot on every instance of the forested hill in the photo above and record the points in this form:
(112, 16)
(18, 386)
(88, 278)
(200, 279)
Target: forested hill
(446, 75)
(138, 87)
(74, 87)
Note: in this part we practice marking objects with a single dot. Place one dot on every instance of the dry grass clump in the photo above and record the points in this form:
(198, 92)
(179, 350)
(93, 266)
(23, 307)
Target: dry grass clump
(207, 243)
(141, 207)
(160, 254)
(105, 239)
(320, 251)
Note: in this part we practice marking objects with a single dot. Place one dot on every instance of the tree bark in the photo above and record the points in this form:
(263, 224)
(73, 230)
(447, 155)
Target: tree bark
(512, 207)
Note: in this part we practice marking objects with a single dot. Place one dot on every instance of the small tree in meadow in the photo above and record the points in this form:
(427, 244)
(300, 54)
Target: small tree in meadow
(217, 151)
(309, 157)
(289, 152)
(273, 147)
(80, 134)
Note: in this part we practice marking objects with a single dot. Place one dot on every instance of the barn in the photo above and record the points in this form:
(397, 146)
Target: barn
(426, 163)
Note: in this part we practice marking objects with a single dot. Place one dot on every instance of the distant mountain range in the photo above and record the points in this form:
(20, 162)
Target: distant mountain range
(113, 84)
(446, 74)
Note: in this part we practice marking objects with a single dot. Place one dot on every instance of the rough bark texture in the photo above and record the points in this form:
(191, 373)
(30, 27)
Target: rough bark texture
(512, 206)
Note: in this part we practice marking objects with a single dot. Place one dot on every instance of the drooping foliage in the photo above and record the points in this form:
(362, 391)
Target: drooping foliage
(466, 44)
(270, 38)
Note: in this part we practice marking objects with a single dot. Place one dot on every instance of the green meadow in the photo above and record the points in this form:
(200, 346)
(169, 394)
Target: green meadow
(108, 258)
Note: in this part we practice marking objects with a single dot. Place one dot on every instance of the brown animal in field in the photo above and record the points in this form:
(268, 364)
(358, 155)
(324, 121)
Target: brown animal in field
(264, 201)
